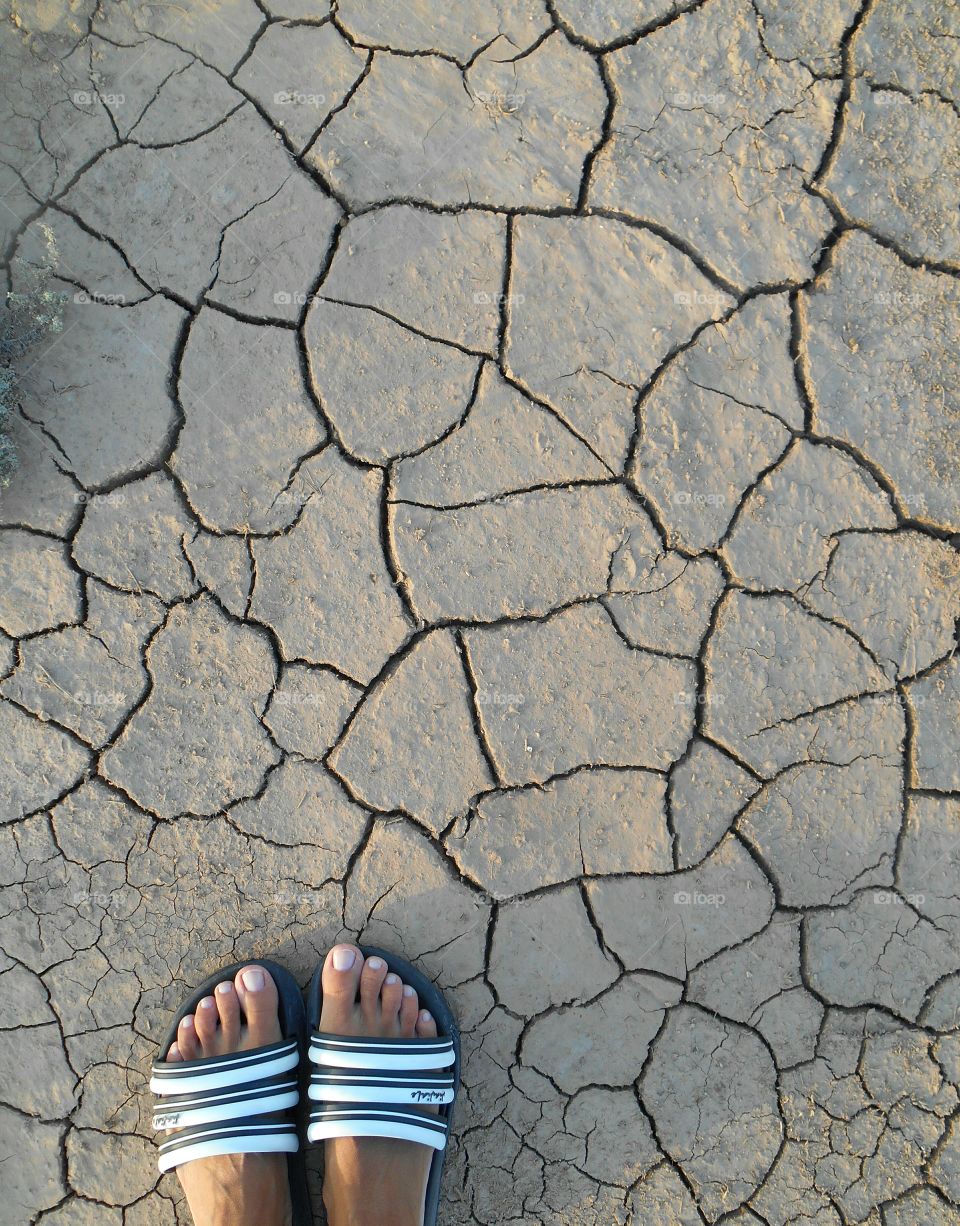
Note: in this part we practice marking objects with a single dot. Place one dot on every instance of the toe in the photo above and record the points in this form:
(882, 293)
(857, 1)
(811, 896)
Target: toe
(259, 1000)
(173, 1055)
(408, 1012)
(229, 1009)
(371, 981)
(205, 1020)
(340, 980)
(187, 1043)
(426, 1026)
(391, 995)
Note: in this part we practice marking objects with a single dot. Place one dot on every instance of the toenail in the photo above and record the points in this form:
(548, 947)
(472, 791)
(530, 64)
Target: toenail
(343, 958)
(375, 964)
(224, 988)
(425, 1016)
(174, 1051)
(391, 980)
(207, 1003)
(253, 980)
(186, 1022)
(408, 990)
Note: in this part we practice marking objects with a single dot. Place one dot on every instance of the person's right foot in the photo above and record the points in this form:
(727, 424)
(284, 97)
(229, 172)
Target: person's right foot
(234, 1189)
(372, 1181)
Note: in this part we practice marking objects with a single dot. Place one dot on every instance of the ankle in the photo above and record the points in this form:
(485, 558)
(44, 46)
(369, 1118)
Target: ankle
(370, 1215)
(379, 1207)
(238, 1190)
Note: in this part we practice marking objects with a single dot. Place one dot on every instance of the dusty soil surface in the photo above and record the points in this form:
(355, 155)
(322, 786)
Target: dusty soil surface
(495, 495)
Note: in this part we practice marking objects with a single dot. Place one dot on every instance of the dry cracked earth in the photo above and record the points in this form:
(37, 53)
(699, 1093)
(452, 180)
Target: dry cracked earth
(495, 495)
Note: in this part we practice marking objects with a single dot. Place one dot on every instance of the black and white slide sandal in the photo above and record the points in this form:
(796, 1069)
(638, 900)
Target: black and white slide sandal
(365, 1087)
(241, 1103)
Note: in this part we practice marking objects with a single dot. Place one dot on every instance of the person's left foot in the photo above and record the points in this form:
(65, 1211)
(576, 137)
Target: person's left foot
(235, 1189)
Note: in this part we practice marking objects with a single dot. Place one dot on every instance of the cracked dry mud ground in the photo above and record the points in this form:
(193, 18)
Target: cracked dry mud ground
(495, 495)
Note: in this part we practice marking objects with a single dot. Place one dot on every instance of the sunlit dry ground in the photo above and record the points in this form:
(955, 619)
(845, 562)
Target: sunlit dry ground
(493, 495)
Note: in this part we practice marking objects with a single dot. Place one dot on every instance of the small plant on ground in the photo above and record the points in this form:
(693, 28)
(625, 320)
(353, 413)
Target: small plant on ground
(31, 312)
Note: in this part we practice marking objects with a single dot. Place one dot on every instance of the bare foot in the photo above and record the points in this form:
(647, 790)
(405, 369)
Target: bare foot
(236, 1189)
(372, 1181)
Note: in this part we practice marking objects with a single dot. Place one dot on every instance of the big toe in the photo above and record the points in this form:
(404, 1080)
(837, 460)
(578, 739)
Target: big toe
(340, 979)
(259, 1001)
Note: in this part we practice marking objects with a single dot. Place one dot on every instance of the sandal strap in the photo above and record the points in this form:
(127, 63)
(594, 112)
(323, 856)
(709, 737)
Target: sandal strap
(241, 1136)
(266, 1096)
(358, 1052)
(223, 1072)
(232, 1104)
(363, 1087)
(378, 1120)
(380, 1086)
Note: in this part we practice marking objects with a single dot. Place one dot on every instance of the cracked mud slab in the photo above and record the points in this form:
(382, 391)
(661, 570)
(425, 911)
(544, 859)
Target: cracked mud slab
(495, 496)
